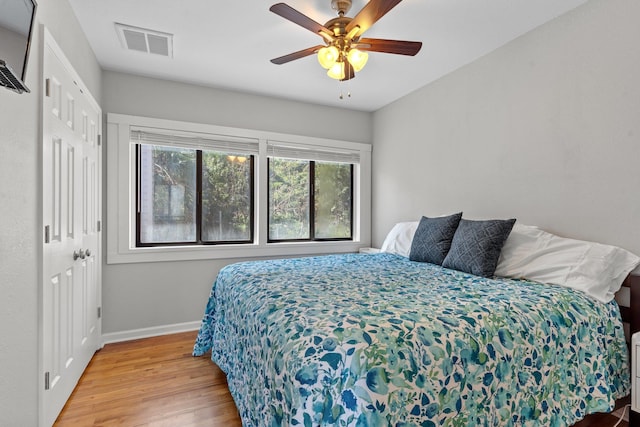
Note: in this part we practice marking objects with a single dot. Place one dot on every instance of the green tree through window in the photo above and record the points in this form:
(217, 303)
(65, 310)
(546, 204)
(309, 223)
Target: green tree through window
(226, 197)
(188, 196)
(333, 200)
(297, 185)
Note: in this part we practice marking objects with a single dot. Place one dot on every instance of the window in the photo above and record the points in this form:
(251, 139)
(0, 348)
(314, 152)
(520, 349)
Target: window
(166, 194)
(189, 196)
(227, 197)
(333, 193)
(310, 200)
(188, 191)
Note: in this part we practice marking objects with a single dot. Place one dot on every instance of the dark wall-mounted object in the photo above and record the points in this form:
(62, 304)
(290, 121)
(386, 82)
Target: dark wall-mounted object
(17, 19)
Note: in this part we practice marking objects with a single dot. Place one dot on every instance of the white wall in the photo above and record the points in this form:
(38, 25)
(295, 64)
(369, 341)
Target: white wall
(20, 211)
(149, 295)
(545, 129)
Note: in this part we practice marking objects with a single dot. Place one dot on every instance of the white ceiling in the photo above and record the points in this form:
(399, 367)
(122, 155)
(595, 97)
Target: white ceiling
(229, 44)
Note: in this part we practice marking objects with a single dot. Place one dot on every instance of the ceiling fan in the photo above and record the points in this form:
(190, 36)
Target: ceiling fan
(345, 51)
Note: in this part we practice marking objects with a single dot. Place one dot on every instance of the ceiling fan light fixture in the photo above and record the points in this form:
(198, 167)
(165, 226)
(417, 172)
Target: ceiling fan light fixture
(358, 59)
(337, 71)
(354, 31)
(328, 56)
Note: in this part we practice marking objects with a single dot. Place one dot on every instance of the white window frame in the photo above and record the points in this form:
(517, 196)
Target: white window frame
(121, 193)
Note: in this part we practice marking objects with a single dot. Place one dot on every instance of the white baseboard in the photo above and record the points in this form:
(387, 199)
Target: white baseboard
(154, 331)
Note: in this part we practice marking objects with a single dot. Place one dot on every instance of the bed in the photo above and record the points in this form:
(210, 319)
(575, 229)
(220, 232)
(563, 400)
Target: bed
(382, 340)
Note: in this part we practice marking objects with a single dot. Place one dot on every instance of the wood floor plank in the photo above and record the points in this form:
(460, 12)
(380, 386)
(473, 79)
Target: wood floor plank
(155, 382)
(151, 382)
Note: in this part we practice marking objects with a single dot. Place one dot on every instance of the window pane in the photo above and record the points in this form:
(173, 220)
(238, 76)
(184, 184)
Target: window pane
(333, 200)
(226, 197)
(167, 194)
(288, 199)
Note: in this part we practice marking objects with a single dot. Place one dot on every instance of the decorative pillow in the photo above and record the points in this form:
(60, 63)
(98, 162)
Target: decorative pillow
(399, 239)
(432, 239)
(593, 268)
(476, 246)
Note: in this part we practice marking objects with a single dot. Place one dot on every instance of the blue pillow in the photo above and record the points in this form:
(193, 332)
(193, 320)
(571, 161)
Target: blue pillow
(476, 246)
(432, 239)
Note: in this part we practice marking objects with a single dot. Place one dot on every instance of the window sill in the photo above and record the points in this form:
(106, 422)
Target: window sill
(190, 253)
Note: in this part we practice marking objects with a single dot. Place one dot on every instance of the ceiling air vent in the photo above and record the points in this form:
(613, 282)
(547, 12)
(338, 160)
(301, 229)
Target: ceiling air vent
(144, 40)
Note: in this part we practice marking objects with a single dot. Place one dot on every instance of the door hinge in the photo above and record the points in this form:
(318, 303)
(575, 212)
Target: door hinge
(99, 139)
(46, 381)
(47, 237)
(99, 225)
(99, 312)
(47, 86)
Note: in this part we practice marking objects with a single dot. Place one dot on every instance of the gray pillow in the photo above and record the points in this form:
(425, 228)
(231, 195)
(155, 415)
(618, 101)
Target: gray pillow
(476, 246)
(432, 239)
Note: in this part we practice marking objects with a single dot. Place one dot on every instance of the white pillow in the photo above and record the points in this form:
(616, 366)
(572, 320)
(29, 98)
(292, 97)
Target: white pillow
(594, 268)
(399, 239)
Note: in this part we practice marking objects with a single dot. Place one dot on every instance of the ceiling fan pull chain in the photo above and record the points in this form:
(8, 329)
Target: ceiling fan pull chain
(340, 85)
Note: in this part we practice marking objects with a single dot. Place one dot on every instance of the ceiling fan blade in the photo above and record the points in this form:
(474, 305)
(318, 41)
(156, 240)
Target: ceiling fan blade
(400, 47)
(296, 55)
(291, 14)
(369, 14)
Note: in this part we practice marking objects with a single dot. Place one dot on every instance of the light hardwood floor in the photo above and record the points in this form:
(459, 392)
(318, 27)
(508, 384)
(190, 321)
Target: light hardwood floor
(156, 382)
(151, 382)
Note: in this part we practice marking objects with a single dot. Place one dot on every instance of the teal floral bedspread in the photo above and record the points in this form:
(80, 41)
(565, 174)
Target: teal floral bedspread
(378, 340)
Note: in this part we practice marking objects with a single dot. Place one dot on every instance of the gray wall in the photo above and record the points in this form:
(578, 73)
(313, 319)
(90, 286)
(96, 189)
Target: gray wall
(545, 129)
(20, 213)
(145, 295)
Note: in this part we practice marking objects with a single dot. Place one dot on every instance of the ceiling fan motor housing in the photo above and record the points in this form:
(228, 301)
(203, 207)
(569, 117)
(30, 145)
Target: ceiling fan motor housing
(338, 25)
(341, 6)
